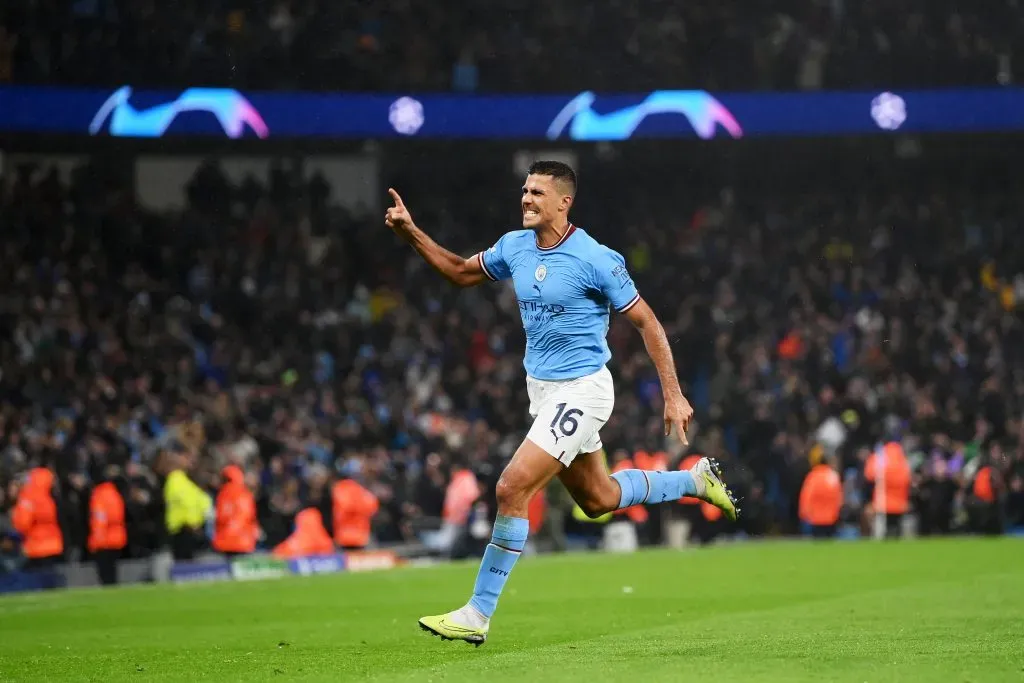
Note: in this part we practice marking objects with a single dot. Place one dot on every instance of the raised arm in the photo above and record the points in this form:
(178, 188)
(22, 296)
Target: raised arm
(677, 409)
(459, 271)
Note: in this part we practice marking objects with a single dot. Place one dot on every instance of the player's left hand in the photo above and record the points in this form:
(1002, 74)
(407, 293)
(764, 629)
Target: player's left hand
(677, 414)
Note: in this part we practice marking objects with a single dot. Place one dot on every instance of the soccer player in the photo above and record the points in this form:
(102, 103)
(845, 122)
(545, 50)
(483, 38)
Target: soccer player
(565, 282)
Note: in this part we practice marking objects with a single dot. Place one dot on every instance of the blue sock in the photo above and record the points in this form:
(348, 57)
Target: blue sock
(507, 542)
(641, 487)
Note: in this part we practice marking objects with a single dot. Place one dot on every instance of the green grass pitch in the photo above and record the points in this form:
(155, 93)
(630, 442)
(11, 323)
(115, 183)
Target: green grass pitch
(949, 611)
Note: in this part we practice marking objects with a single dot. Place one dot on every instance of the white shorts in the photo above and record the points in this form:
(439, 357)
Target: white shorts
(568, 414)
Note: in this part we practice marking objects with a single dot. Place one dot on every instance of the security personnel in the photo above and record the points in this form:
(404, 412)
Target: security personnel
(35, 517)
(236, 528)
(309, 538)
(107, 532)
(187, 508)
(821, 499)
(889, 473)
(354, 507)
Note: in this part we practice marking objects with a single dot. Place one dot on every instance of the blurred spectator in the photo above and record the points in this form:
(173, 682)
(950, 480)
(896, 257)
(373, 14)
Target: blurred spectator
(509, 45)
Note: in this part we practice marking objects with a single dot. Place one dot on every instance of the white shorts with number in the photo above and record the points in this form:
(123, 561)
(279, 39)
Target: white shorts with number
(568, 414)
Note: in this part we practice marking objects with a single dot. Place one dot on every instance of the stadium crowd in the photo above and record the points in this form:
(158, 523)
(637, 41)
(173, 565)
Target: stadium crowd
(267, 328)
(508, 45)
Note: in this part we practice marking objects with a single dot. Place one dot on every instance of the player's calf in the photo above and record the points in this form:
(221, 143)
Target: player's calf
(703, 481)
(601, 501)
(644, 487)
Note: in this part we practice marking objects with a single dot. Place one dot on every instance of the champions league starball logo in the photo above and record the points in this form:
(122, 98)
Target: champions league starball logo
(406, 115)
(889, 111)
(704, 113)
(231, 109)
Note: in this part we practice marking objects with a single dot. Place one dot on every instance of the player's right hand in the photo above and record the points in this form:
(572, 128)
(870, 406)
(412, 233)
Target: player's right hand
(398, 217)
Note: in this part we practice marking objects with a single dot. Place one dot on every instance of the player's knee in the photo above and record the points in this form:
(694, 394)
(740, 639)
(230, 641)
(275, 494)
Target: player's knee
(510, 492)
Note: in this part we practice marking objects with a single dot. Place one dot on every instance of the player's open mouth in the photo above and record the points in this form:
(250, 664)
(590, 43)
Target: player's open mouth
(530, 214)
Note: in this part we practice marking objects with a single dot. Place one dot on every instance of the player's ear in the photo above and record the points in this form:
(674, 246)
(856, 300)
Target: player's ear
(566, 201)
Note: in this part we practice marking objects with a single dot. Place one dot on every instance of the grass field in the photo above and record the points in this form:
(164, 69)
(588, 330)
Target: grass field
(950, 611)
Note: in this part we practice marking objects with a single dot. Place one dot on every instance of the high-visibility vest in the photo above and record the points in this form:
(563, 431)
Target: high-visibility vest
(187, 504)
(353, 507)
(983, 489)
(821, 497)
(106, 519)
(309, 538)
(462, 492)
(892, 494)
(35, 516)
(236, 528)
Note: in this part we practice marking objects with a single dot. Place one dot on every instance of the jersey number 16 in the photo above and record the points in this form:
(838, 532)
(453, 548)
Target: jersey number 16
(567, 423)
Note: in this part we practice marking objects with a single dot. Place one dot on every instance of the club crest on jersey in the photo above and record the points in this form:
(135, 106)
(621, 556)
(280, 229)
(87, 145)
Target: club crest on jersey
(541, 272)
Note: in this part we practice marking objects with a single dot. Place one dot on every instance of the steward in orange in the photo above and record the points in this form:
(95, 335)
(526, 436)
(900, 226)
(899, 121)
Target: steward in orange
(107, 532)
(235, 528)
(35, 518)
(353, 509)
(984, 502)
(309, 538)
(889, 471)
(982, 488)
(821, 498)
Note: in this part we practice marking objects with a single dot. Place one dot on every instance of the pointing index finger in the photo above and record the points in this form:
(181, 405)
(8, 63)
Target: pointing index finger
(681, 434)
(396, 197)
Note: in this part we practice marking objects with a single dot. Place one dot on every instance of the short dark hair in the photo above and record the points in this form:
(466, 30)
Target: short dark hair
(557, 170)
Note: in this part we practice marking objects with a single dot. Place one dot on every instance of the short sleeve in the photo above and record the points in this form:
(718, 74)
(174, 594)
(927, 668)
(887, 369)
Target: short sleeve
(614, 281)
(493, 261)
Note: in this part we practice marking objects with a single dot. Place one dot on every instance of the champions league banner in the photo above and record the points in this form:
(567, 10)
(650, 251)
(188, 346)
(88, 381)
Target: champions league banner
(127, 112)
(261, 567)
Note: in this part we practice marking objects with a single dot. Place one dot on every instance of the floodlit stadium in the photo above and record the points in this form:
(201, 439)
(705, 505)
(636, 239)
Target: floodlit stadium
(616, 341)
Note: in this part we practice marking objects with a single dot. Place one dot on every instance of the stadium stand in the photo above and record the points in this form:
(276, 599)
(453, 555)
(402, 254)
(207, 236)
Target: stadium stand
(267, 327)
(509, 44)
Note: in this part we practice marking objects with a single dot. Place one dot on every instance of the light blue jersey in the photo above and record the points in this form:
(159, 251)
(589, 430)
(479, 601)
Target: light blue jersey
(565, 294)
